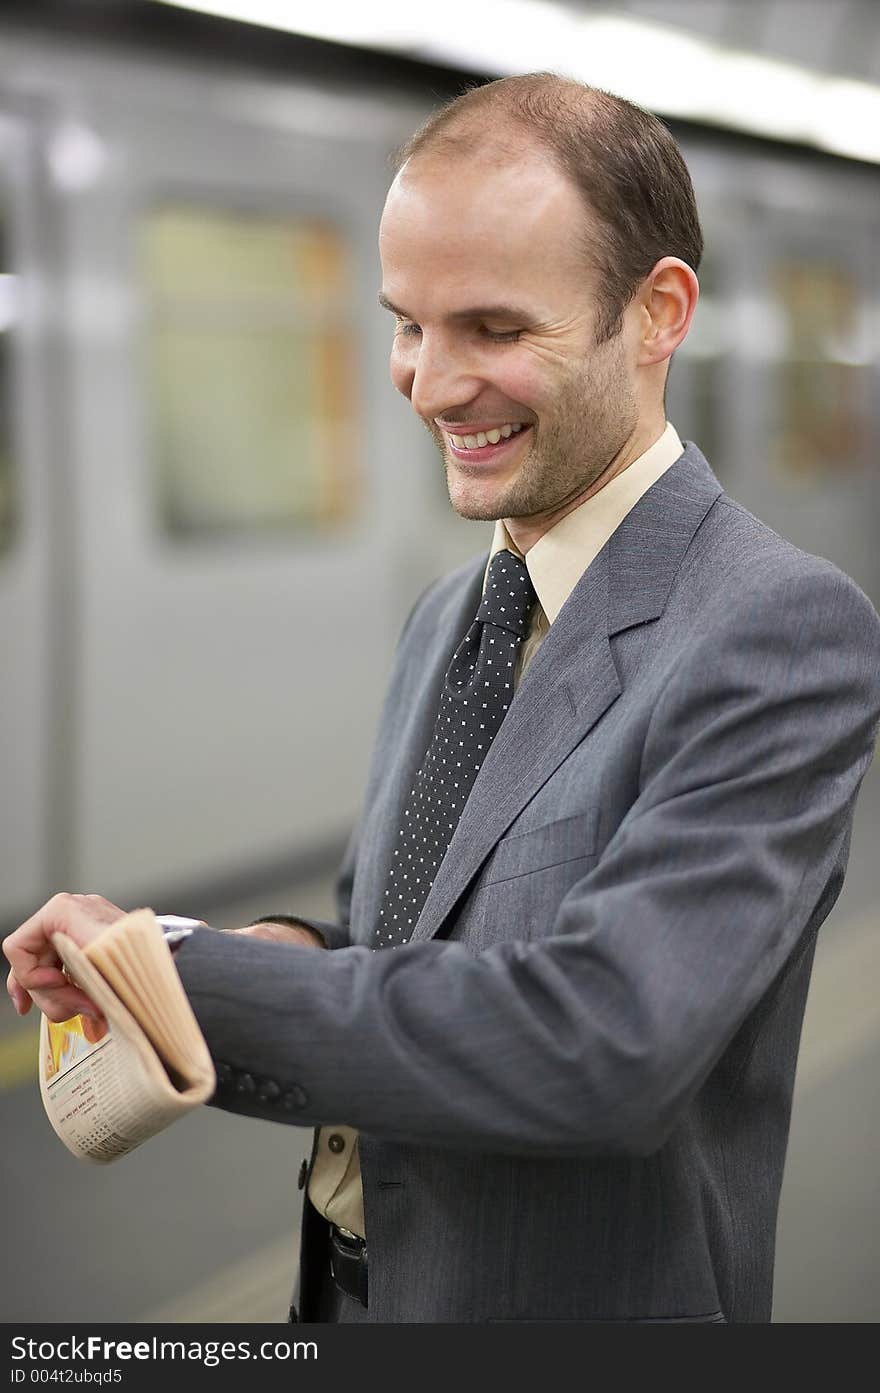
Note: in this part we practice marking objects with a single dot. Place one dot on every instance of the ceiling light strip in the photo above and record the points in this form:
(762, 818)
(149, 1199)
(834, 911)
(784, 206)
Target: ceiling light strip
(667, 70)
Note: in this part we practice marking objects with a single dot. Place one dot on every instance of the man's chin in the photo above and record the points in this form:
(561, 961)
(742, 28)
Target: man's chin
(476, 509)
(476, 502)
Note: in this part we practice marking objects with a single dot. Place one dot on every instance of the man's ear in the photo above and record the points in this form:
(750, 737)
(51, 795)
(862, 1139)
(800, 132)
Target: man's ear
(667, 298)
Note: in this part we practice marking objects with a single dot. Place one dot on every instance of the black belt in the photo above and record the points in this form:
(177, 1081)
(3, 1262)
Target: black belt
(348, 1263)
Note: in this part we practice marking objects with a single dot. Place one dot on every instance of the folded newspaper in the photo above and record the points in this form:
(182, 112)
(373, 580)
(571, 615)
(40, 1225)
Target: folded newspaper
(108, 1085)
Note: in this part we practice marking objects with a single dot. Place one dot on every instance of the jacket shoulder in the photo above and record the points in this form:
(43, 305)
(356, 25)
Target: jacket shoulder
(746, 560)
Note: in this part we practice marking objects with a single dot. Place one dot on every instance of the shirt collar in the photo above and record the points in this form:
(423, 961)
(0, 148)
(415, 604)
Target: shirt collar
(558, 559)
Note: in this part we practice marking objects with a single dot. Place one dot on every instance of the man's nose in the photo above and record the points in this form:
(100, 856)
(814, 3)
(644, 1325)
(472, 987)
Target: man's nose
(441, 380)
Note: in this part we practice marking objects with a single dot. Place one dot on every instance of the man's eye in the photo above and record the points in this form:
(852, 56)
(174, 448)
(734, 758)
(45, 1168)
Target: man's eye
(407, 329)
(502, 336)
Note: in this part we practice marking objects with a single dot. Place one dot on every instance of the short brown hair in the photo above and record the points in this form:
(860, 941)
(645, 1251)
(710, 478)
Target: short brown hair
(621, 158)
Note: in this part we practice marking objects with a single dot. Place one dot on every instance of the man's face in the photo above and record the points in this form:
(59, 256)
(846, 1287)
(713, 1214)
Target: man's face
(495, 342)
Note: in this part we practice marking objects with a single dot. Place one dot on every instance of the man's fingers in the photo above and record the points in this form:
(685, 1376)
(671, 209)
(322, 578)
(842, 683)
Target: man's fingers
(97, 907)
(36, 967)
(70, 1001)
(18, 996)
(58, 1003)
(45, 977)
(33, 959)
(64, 913)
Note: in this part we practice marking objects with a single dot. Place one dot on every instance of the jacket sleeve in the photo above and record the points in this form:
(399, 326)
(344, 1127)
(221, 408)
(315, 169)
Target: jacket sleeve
(593, 1039)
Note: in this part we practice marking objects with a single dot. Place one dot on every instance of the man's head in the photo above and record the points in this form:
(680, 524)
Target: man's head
(538, 246)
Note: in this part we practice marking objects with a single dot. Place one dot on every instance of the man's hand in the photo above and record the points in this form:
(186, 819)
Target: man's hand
(36, 972)
(288, 931)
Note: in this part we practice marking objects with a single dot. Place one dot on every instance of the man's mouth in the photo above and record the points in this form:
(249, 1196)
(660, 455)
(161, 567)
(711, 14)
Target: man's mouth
(484, 444)
(481, 438)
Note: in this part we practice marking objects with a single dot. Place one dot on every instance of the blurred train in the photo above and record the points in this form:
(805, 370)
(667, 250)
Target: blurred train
(214, 511)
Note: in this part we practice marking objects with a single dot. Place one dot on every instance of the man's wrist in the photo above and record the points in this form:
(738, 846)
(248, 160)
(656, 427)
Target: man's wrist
(291, 922)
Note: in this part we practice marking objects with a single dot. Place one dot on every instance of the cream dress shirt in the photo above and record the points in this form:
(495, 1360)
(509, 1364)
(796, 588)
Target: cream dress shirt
(555, 564)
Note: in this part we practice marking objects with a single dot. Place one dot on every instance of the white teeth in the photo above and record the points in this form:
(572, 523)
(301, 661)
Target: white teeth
(489, 437)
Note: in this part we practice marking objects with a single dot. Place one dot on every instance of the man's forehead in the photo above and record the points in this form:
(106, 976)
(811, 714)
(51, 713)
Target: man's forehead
(461, 234)
(451, 210)
(431, 174)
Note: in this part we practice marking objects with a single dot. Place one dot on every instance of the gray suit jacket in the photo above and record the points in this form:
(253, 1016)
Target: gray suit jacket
(574, 1085)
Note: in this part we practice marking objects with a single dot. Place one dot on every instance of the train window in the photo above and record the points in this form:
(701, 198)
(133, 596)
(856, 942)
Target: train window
(8, 285)
(823, 425)
(251, 362)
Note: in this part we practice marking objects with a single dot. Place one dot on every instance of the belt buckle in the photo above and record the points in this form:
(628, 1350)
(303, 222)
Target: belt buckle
(347, 1233)
(348, 1262)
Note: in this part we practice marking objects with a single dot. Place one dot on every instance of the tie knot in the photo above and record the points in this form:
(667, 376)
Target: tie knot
(509, 594)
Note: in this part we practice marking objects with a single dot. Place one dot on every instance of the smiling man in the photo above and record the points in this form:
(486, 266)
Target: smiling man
(503, 344)
(550, 1055)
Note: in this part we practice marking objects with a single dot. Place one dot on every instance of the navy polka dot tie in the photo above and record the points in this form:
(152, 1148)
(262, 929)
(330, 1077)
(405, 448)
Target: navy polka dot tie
(476, 694)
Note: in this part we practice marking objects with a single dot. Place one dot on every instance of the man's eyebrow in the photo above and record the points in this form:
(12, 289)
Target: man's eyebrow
(387, 305)
(512, 313)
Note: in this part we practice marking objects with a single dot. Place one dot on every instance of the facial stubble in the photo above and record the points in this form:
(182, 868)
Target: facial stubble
(576, 442)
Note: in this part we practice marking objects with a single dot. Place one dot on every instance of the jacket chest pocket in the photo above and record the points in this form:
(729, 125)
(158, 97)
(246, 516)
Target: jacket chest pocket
(526, 880)
(543, 848)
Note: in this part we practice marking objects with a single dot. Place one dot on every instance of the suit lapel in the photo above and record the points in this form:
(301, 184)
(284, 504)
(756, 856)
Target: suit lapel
(648, 547)
(572, 680)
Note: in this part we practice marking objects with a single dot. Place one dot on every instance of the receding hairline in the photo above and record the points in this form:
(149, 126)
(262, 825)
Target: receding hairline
(488, 117)
(493, 149)
(493, 124)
